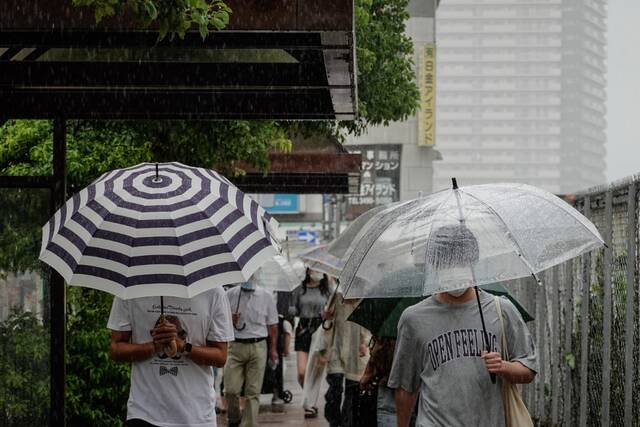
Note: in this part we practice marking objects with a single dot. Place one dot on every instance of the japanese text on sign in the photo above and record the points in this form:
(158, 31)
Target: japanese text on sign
(427, 114)
(380, 182)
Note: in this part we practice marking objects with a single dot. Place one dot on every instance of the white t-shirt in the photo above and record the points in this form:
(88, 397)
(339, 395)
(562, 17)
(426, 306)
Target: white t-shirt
(174, 392)
(257, 310)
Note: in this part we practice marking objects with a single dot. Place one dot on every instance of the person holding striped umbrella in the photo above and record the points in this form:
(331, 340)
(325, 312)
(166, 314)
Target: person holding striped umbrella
(164, 239)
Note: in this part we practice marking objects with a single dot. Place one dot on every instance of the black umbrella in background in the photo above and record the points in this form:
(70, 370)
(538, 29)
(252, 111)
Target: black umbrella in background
(381, 315)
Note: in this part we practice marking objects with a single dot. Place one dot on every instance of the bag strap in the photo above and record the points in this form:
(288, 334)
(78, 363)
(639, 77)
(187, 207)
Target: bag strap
(505, 350)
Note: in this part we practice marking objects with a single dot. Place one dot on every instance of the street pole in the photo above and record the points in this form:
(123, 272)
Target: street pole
(57, 326)
(337, 216)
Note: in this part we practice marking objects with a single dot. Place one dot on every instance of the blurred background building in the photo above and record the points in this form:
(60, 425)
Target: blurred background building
(521, 93)
(397, 160)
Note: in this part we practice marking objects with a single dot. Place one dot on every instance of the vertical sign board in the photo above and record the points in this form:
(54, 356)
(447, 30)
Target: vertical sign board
(427, 86)
(380, 183)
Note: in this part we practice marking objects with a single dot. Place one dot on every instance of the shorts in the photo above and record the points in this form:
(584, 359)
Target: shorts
(305, 329)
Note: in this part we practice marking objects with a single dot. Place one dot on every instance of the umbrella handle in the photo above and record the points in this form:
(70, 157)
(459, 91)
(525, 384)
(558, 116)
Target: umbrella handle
(244, 325)
(484, 331)
(326, 328)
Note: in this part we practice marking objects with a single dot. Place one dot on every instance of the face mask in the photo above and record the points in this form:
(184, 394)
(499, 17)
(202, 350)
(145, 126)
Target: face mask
(316, 276)
(248, 286)
(456, 278)
(458, 292)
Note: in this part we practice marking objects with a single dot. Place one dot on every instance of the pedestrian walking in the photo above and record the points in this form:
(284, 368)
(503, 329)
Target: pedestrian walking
(374, 384)
(285, 332)
(308, 302)
(442, 353)
(255, 319)
(177, 388)
(347, 363)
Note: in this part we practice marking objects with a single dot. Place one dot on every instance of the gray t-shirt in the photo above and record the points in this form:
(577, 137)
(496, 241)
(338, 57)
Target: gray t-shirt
(438, 354)
(307, 304)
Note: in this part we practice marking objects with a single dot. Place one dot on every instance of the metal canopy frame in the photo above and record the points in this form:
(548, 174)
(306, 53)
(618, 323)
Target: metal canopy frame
(124, 75)
(317, 84)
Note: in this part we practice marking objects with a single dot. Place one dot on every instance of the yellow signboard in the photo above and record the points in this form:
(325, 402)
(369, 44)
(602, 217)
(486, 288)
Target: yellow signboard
(427, 85)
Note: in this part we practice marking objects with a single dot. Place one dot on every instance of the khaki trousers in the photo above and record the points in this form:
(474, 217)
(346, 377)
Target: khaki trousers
(245, 365)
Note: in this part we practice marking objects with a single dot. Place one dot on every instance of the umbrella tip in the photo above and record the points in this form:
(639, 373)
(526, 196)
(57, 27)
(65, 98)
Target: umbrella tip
(455, 183)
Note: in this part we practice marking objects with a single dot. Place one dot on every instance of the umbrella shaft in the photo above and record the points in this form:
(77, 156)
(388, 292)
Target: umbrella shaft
(484, 327)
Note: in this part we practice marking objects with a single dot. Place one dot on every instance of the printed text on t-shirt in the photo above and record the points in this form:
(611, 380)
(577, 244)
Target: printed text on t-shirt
(456, 344)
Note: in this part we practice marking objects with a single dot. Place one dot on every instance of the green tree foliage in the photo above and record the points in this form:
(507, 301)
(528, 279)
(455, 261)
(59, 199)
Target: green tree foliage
(24, 363)
(171, 16)
(387, 88)
(97, 387)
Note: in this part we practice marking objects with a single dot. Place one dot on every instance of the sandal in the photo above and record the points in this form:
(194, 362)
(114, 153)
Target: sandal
(311, 412)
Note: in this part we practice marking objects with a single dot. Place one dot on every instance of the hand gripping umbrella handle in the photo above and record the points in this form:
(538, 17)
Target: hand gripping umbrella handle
(484, 331)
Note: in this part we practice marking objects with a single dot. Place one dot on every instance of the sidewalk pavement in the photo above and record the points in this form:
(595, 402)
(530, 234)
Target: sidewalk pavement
(293, 414)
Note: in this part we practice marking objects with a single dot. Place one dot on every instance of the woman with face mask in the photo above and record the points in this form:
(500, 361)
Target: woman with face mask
(307, 303)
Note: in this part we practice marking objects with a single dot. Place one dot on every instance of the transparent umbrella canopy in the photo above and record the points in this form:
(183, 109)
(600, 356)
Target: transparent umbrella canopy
(330, 258)
(279, 274)
(465, 237)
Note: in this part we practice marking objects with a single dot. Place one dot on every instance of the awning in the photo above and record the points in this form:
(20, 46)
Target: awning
(276, 60)
(318, 164)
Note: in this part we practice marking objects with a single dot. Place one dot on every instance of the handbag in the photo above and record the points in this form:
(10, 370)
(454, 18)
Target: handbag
(515, 411)
(365, 403)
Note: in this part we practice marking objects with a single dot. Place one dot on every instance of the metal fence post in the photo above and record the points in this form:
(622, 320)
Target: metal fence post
(606, 311)
(629, 318)
(555, 345)
(530, 295)
(584, 326)
(58, 325)
(541, 334)
(568, 332)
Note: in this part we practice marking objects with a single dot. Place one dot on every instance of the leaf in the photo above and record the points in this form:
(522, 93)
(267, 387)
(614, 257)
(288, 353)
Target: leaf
(570, 360)
(204, 31)
(151, 9)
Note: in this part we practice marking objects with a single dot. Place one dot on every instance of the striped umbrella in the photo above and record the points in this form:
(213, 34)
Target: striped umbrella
(158, 230)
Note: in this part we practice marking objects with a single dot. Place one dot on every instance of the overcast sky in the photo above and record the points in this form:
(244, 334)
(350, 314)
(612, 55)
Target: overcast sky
(623, 117)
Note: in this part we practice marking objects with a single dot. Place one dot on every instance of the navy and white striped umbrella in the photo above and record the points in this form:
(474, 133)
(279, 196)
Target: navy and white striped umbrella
(158, 230)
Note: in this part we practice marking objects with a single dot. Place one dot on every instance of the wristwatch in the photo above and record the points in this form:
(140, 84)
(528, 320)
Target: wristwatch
(187, 348)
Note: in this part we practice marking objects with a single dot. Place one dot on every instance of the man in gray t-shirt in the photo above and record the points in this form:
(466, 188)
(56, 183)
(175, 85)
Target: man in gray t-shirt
(440, 353)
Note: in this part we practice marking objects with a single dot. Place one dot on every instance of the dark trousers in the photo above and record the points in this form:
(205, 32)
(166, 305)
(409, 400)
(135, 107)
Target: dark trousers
(337, 412)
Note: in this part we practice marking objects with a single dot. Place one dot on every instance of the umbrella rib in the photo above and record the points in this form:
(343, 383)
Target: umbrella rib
(518, 250)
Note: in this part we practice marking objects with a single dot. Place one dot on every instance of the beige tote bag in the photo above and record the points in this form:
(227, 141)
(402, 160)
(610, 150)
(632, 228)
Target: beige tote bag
(515, 411)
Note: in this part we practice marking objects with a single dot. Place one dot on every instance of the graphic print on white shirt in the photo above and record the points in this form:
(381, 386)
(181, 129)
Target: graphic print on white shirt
(174, 392)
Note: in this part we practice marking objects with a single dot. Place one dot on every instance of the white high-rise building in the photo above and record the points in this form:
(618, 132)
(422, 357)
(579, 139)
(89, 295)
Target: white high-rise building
(521, 92)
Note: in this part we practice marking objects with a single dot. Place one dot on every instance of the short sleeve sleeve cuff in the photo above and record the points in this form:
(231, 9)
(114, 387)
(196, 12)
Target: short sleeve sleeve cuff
(119, 318)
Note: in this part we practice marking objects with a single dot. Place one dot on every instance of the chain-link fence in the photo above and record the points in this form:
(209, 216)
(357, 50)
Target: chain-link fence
(587, 322)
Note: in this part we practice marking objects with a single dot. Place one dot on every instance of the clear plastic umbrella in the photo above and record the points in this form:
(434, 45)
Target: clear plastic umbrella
(464, 237)
(318, 258)
(280, 275)
(330, 258)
